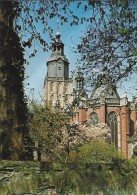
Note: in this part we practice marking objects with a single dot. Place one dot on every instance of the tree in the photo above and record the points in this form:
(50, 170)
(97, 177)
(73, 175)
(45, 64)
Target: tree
(13, 114)
(45, 128)
(96, 167)
(109, 43)
(29, 13)
(96, 151)
(12, 101)
(111, 27)
(111, 32)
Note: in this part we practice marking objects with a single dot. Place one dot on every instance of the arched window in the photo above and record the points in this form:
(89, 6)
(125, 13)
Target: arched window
(93, 117)
(113, 125)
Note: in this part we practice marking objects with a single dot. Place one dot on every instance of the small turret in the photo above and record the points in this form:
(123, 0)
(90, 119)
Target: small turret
(79, 80)
(58, 46)
(80, 95)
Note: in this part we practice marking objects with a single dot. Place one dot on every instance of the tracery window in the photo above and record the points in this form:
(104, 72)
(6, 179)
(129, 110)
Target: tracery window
(94, 118)
(113, 125)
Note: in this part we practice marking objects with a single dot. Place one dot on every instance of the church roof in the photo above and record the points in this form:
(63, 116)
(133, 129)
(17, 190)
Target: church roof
(104, 89)
(56, 57)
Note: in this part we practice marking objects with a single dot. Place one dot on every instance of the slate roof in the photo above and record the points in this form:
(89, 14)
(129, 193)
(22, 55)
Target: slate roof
(56, 57)
(104, 89)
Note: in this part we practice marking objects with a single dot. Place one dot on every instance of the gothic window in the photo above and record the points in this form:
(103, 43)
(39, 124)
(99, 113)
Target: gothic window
(59, 68)
(94, 118)
(113, 125)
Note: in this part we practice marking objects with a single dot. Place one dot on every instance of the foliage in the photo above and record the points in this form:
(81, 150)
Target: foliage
(29, 177)
(13, 109)
(75, 136)
(96, 167)
(95, 152)
(109, 42)
(43, 12)
(45, 128)
(115, 29)
(135, 152)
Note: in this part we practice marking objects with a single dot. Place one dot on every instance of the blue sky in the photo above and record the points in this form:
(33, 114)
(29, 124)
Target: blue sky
(36, 70)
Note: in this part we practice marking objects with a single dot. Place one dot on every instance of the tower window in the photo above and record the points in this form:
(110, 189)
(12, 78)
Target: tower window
(59, 68)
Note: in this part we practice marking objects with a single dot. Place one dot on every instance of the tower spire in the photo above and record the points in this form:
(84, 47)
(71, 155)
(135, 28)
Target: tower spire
(58, 35)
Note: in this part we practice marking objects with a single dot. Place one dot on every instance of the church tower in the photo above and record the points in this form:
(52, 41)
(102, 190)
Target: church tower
(58, 86)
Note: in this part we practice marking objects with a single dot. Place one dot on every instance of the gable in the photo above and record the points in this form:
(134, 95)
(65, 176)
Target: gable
(105, 92)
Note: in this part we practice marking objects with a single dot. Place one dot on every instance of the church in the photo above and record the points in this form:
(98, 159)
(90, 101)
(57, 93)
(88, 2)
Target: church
(103, 106)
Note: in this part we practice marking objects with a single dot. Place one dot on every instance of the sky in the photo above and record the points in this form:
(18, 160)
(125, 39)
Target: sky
(36, 71)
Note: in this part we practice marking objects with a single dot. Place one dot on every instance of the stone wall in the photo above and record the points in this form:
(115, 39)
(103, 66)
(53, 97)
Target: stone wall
(38, 178)
(28, 177)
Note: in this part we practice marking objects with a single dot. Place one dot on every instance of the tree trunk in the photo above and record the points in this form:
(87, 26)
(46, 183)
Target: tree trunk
(12, 104)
